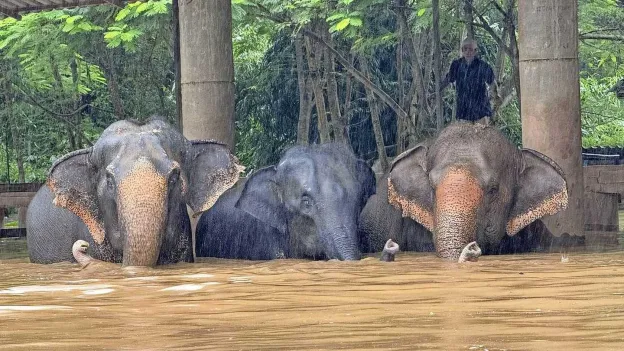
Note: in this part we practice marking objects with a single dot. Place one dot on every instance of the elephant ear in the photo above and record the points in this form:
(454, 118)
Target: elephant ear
(409, 189)
(542, 190)
(71, 180)
(366, 178)
(211, 170)
(262, 199)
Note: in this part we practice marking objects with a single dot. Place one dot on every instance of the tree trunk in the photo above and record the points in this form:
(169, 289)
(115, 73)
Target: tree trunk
(436, 59)
(17, 146)
(513, 44)
(176, 61)
(77, 117)
(314, 53)
(303, 125)
(387, 99)
(113, 87)
(400, 122)
(468, 19)
(338, 122)
(418, 80)
(377, 130)
(346, 108)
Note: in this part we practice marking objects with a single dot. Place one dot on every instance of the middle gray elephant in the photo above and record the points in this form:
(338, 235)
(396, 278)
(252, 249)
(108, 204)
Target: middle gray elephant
(467, 184)
(305, 207)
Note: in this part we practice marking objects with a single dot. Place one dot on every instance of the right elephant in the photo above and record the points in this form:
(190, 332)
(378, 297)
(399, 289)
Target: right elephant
(467, 184)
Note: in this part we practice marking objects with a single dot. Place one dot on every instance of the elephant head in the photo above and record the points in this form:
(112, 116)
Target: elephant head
(471, 184)
(132, 186)
(314, 195)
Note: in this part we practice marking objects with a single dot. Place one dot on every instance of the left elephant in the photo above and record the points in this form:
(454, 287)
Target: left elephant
(127, 195)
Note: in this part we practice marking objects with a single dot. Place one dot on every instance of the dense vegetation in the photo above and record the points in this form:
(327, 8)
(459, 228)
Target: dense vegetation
(66, 75)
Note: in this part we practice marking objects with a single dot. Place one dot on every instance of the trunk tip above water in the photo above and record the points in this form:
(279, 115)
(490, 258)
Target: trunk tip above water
(389, 251)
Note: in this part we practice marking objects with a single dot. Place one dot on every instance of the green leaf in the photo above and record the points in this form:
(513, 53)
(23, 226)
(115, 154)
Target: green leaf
(421, 12)
(357, 22)
(73, 19)
(142, 7)
(343, 24)
(122, 14)
(335, 17)
(111, 35)
(68, 27)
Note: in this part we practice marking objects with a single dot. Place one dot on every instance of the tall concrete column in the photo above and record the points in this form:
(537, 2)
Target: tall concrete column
(207, 70)
(551, 111)
(206, 73)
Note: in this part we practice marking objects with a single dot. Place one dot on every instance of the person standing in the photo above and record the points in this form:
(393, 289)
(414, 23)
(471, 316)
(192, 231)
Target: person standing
(471, 76)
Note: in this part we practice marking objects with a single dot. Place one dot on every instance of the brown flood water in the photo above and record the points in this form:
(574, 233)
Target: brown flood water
(523, 302)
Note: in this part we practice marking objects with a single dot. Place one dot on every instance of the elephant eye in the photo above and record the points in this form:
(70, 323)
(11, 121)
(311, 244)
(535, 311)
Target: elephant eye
(174, 176)
(110, 180)
(306, 202)
(493, 190)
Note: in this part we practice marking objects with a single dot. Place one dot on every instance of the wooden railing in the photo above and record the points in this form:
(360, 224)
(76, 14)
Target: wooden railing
(15, 195)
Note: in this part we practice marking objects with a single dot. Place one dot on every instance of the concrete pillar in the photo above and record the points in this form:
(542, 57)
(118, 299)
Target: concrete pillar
(549, 82)
(207, 70)
(206, 73)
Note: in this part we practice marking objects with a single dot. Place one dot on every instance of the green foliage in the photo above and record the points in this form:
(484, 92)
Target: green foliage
(601, 67)
(55, 62)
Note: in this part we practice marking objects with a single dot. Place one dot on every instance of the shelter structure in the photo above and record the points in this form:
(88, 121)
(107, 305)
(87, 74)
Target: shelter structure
(14, 8)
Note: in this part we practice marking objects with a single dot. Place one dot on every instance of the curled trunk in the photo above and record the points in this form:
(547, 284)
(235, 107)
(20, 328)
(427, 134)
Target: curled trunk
(458, 197)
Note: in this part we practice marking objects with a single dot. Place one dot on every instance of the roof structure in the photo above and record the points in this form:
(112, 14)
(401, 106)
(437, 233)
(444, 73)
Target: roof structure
(13, 8)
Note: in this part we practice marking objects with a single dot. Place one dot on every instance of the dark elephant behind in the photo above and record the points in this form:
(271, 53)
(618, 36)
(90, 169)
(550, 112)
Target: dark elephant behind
(307, 206)
(127, 196)
(467, 184)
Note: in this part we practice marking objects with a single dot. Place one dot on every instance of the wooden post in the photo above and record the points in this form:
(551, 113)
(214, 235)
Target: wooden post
(549, 82)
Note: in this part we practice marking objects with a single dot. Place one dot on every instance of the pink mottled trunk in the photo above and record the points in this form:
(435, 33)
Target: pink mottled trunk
(142, 210)
(458, 197)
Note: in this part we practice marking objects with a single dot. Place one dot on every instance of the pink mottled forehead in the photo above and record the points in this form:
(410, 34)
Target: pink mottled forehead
(460, 190)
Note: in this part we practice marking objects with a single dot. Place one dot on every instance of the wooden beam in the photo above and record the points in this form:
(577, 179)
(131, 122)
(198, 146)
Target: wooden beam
(15, 10)
(16, 199)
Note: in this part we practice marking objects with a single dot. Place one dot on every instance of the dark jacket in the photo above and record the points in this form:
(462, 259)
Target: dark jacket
(473, 102)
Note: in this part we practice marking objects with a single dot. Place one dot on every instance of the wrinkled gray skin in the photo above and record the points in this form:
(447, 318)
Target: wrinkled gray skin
(127, 195)
(467, 184)
(307, 206)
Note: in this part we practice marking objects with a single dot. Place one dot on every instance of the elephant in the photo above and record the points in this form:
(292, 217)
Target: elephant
(469, 183)
(127, 195)
(306, 206)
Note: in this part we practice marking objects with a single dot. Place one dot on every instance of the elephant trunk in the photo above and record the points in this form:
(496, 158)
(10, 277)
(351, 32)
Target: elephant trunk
(458, 197)
(341, 243)
(143, 211)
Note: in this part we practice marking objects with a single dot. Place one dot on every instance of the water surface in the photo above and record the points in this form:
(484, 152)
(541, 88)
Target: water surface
(516, 302)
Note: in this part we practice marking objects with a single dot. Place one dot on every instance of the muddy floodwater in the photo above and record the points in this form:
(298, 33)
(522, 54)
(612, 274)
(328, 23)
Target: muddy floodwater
(418, 302)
